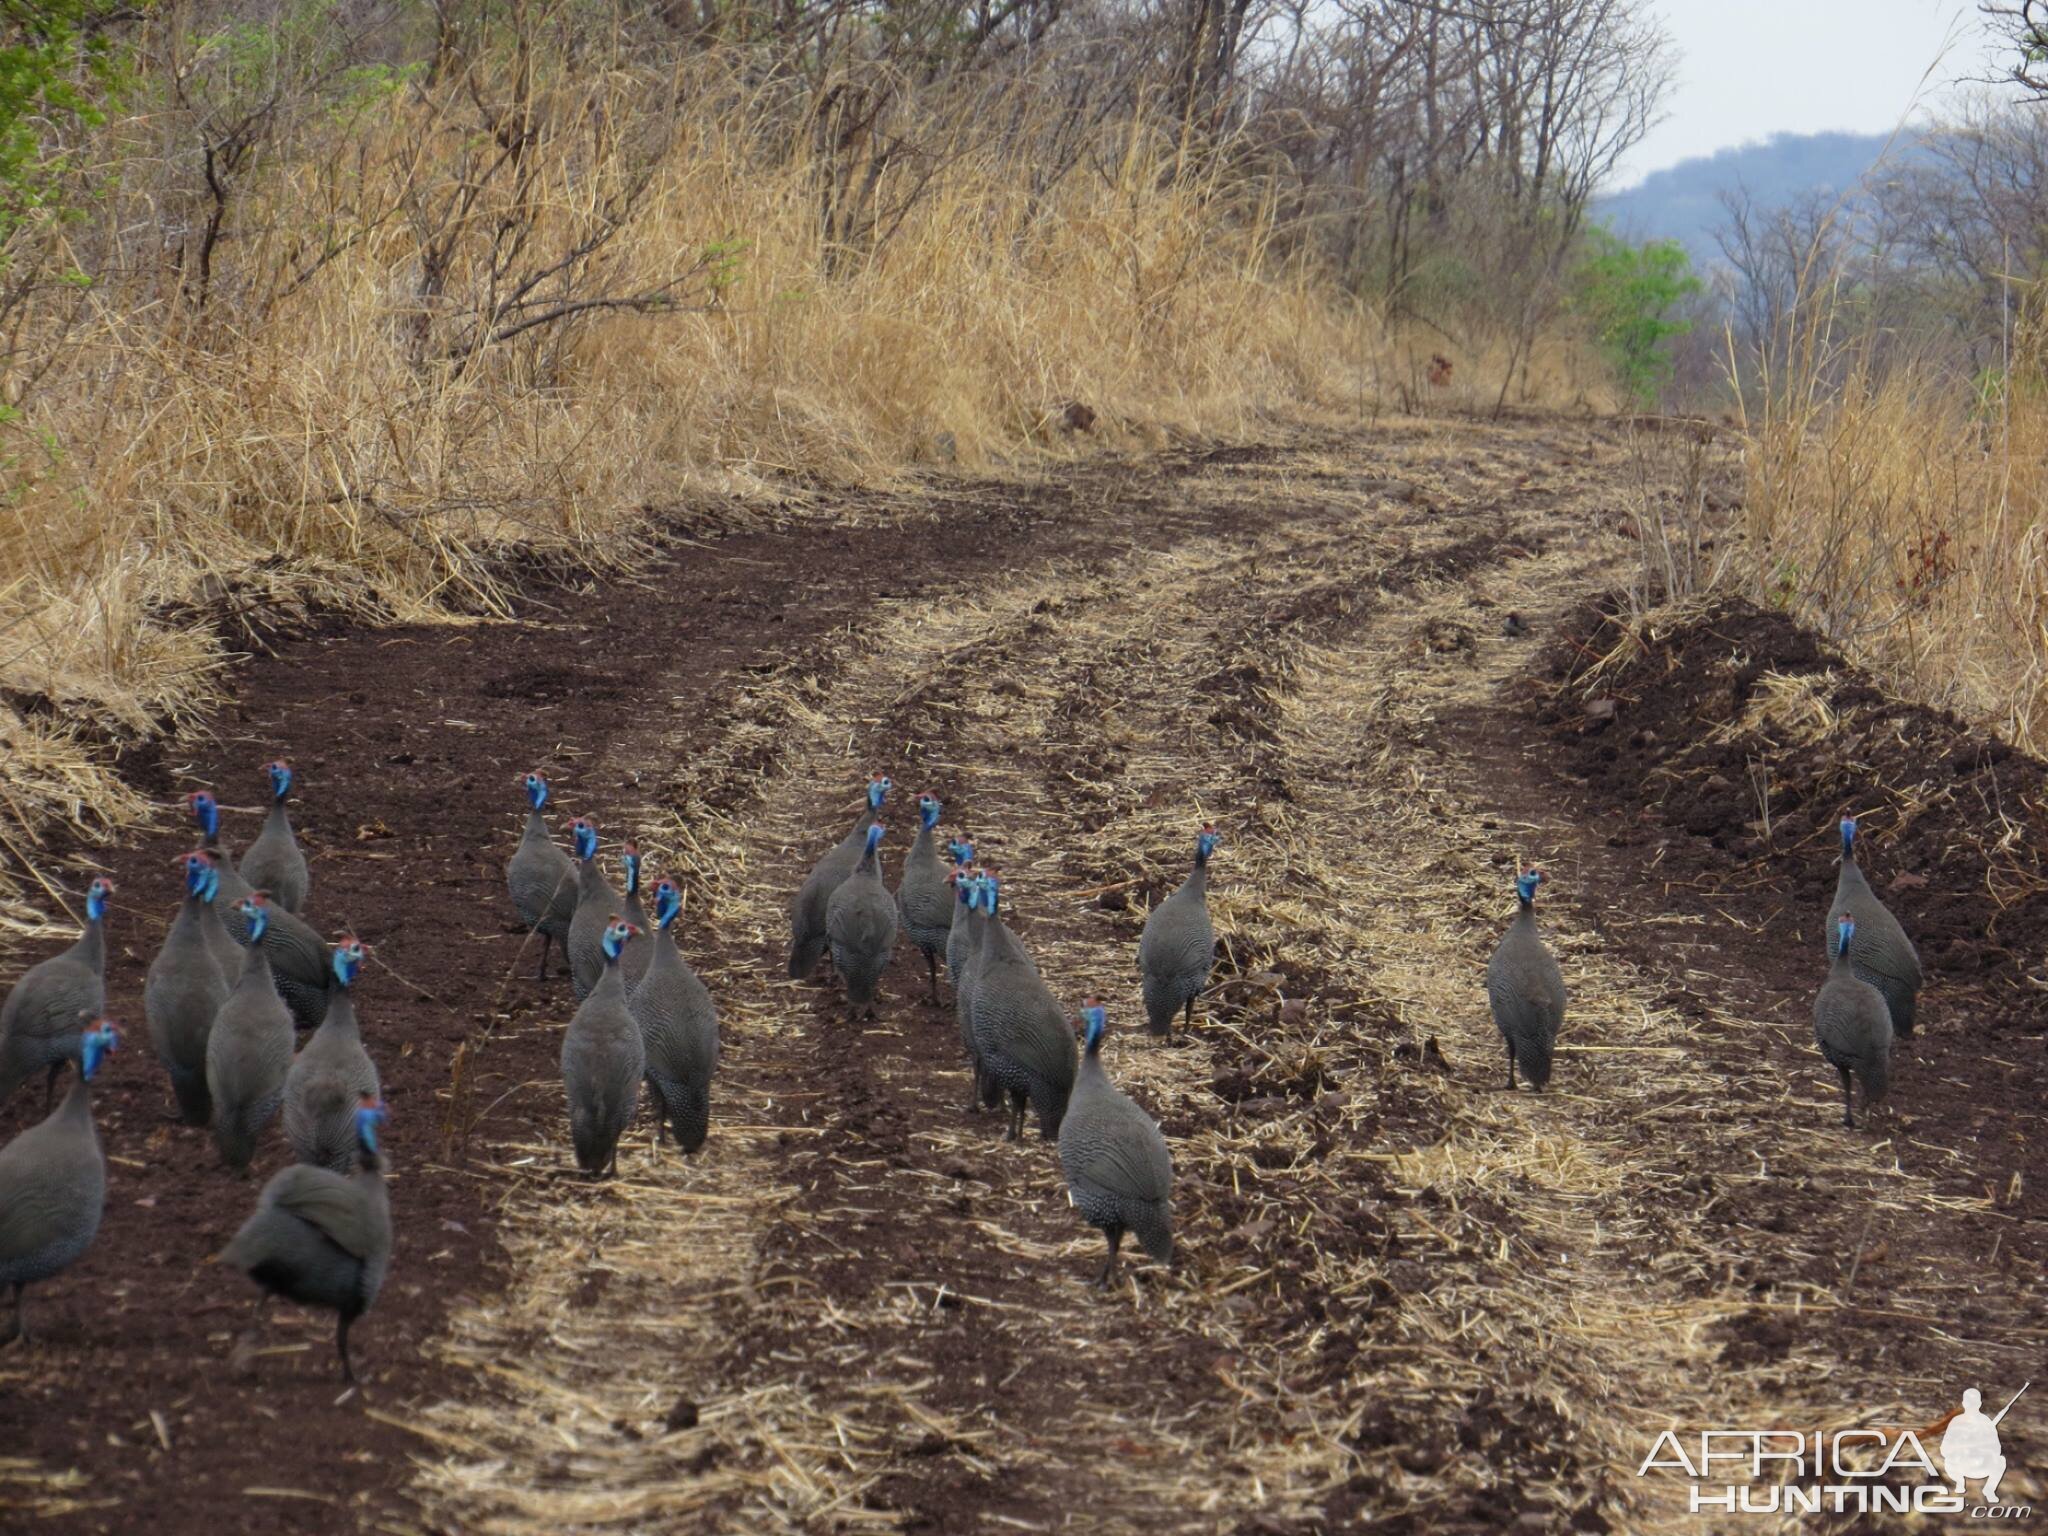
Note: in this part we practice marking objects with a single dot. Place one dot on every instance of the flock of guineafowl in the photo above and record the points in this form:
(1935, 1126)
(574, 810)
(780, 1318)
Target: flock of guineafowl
(241, 973)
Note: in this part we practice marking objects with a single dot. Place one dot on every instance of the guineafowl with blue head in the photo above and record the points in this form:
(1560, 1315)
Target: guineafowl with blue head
(634, 911)
(807, 936)
(275, 862)
(1883, 955)
(332, 1075)
(541, 878)
(1852, 1025)
(678, 1028)
(297, 953)
(924, 897)
(1178, 947)
(860, 921)
(598, 906)
(185, 988)
(322, 1238)
(603, 1060)
(1526, 989)
(1021, 1034)
(1118, 1170)
(39, 1022)
(53, 1185)
(249, 1048)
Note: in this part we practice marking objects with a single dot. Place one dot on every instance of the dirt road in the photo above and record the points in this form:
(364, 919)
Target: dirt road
(1406, 1299)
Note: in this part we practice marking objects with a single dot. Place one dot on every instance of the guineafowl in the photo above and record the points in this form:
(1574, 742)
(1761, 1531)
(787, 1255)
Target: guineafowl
(678, 1028)
(807, 936)
(274, 862)
(924, 898)
(331, 1075)
(224, 933)
(41, 1020)
(634, 912)
(321, 1238)
(597, 907)
(185, 988)
(860, 920)
(1179, 946)
(249, 1048)
(541, 878)
(603, 1060)
(961, 946)
(1119, 1173)
(1883, 955)
(1021, 1035)
(1853, 1026)
(1526, 989)
(53, 1184)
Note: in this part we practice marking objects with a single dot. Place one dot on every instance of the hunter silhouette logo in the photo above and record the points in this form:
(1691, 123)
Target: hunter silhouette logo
(1864, 1470)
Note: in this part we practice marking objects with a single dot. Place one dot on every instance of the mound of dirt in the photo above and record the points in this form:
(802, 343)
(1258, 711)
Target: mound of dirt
(1749, 735)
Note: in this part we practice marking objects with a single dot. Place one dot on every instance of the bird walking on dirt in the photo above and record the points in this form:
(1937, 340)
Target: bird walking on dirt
(541, 878)
(185, 988)
(321, 1238)
(1526, 989)
(297, 953)
(807, 936)
(41, 1020)
(598, 906)
(860, 921)
(603, 1061)
(925, 897)
(1021, 1035)
(1883, 955)
(275, 862)
(332, 1075)
(53, 1185)
(1852, 1025)
(1178, 947)
(249, 1048)
(1118, 1170)
(678, 1028)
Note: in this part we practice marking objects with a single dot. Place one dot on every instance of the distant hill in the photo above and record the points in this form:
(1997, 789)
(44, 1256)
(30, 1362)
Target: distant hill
(1683, 202)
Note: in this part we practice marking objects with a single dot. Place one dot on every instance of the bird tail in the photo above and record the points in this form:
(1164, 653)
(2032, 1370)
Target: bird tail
(804, 954)
(1533, 1057)
(195, 1101)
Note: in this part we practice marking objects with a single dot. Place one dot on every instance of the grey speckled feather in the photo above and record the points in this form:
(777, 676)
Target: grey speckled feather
(860, 921)
(297, 954)
(597, 903)
(248, 1053)
(963, 944)
(326, 1082)
(807, 936)
(1022, 1035)
(925, 902)
(275, 862)
(53, 1187)
(603, 1061)
(542, 882)
(1119, 1173)
(679, 1031)
(180, 997)
(1852, 1025)
(1879, 950)
(44, 1017)
(1176, 952)
(1527, 992)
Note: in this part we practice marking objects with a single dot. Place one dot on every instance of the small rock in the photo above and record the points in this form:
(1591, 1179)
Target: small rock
(682, 1416)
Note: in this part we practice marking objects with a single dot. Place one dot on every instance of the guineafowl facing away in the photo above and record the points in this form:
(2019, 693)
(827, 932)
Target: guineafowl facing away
(1883, 955)
(807, 935)
(924, 898)
(1526, 989)
(275, 862)
(597, 906)
(249, 1048)
(224, 935)
(541, 878)
(332, 1075)
(321, 1238)
(1179, 946)
(603, 1060)
(42, 1017)
(1852, 1025)
(860, 920)
(297, 953)
(1119, 1173)
(634, 912)
(678, 1028)
(53, 1185)
(185, 988)
(1021, 1034)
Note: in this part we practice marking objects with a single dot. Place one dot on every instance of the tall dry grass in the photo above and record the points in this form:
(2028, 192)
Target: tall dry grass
(1903, 509)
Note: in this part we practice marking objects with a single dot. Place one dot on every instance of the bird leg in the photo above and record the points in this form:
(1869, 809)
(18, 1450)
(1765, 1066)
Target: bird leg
(1848, 1100)
(932, 962)
(1015, 1132)
(1511, 1068)
(547, 942)
(16, 1327)
(1187, 1023)
(348, 1371)
(973, 1089)
(1115, 1234)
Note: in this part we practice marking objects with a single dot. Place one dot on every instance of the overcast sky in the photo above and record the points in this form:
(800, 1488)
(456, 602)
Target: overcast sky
(1751, 68)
